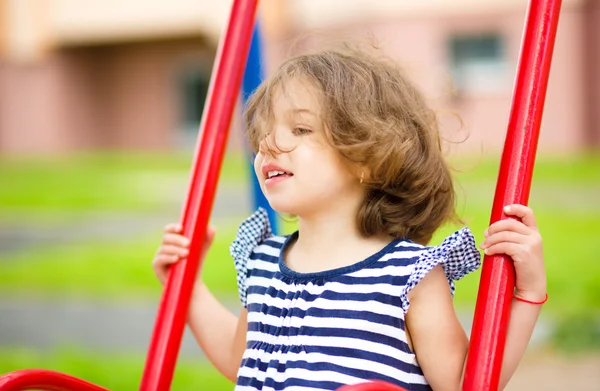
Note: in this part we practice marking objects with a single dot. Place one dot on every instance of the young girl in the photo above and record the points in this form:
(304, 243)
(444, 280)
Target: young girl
(347, 144)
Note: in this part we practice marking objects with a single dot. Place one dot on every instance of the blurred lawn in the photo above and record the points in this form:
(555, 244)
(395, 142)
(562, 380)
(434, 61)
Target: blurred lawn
(112, 182)
(565, 196)
(114, 372)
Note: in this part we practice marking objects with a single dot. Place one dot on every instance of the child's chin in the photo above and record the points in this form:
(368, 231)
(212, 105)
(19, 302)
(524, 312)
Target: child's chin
(283, 207)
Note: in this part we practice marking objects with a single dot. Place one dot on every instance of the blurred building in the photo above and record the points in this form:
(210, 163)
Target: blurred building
(132, 74)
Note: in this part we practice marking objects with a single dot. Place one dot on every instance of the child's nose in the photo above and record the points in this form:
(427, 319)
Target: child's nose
(268, 146)
(275, 144)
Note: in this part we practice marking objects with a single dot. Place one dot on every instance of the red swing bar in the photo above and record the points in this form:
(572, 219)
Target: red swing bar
(41, 379)
(222, 98)
(488, 335)
(492, 311)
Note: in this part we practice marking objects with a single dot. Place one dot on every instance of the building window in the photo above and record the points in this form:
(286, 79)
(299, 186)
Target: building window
(193, 93)
(478, 63)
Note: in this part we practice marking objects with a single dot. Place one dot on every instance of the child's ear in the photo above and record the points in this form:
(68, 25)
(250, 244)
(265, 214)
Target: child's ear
(362, 173)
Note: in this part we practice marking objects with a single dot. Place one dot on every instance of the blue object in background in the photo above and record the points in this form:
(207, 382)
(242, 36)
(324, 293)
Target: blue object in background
(253, 76)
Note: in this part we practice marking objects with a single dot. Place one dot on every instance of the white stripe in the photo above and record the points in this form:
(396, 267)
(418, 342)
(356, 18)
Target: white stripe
(273, 283)
(405, 243)
(402, 254)
(346, 362)
(392, 270)
(258, 264)
(318, 290)
(340, 288)
(326, 304)
(278, 239)
(268, 250)
(332, 342)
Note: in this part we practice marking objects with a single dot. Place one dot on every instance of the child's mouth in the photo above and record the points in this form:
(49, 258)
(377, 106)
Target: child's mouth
(276, 177)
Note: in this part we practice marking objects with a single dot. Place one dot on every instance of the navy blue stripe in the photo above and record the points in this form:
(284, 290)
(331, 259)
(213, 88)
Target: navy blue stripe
(354, 352)
(263, 273)
(327, 294)
(272, 243)
(264, 257)
(397, 281)
(363, 335)
(317, 312)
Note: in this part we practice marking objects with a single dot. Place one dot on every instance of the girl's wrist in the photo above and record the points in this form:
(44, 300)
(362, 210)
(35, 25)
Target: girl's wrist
(529, 301)
(538, 296)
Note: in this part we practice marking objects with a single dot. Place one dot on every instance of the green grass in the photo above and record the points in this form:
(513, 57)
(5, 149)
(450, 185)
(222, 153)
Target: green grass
(565, 197)
(122, 269)
(109, 270)
(584, 168)
(100, 181)
(114, 372)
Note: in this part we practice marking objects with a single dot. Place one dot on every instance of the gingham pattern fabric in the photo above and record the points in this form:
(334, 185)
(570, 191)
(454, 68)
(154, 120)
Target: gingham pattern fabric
(252, 232)
(457, 254)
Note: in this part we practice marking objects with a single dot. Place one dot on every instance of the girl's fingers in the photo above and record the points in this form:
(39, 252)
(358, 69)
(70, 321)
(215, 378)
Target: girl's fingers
(170, 250)
(162, 260)
(173, 228)
(504, 236)
(506, 248)
(522, 212)
(176, 240)
(507, 225)
(210, 235)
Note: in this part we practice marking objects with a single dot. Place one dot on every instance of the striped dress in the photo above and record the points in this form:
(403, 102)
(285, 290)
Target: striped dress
(320, 331)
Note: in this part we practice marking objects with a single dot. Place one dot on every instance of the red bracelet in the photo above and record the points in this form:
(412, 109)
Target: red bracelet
(531, 302)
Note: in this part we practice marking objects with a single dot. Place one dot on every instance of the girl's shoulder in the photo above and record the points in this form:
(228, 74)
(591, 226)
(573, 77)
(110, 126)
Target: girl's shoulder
(254, 242)
(457, 254)
(252, 233)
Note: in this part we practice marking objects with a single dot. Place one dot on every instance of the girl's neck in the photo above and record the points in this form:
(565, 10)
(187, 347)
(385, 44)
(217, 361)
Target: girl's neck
(331, 239)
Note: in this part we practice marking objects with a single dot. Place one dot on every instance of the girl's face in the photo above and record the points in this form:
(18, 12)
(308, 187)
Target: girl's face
(299, 173)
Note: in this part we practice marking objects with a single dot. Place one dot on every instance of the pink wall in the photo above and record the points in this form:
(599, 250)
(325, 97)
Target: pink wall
(419, 44)
(592, 71)
(125, 96)
(119, 97)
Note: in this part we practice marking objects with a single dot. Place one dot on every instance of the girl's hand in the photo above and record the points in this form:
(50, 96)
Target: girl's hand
(521, 241)
(174, 247)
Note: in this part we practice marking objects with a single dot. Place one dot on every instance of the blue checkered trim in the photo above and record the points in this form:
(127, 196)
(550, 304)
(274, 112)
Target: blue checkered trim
(252, 232)
(458, 255)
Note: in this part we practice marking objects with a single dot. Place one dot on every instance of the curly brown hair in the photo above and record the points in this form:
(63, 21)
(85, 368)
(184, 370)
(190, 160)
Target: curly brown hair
(378, 122)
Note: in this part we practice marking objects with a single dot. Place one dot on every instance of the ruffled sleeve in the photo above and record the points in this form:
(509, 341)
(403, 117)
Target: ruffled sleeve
(251, 233)
(458, 255)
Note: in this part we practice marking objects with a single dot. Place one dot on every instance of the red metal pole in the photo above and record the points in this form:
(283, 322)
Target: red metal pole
(492, 311)
(39, 379)
(222, 97)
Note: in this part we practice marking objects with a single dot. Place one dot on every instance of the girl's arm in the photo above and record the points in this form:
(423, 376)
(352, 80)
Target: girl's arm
(440, 342)
(220, 334)
(438, 339)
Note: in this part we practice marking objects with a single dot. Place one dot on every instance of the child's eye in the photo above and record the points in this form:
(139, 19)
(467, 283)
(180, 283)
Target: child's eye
(301, 131)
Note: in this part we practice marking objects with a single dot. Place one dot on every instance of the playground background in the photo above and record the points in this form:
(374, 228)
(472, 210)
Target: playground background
(96, 142)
